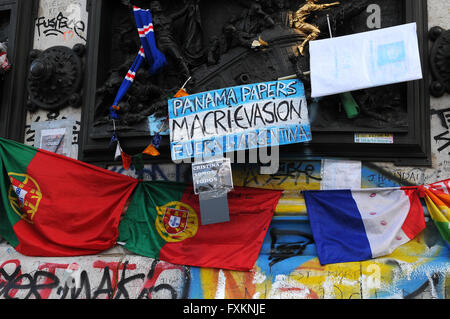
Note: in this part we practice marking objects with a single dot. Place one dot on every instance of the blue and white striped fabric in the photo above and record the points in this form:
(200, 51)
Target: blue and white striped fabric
(148, 50)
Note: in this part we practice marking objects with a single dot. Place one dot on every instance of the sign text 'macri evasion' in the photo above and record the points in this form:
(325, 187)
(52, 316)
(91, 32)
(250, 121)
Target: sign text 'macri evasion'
(228, 116)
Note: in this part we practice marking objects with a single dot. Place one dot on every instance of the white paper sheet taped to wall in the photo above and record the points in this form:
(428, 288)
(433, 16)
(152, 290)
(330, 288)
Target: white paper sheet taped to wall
(363, 60)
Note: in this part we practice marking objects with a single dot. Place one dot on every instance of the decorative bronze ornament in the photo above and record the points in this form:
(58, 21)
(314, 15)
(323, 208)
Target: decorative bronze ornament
(440, 61)
(55, 77)
(310, 31)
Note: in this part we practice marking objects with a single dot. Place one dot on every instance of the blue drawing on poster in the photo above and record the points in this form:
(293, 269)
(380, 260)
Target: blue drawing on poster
(391, 53)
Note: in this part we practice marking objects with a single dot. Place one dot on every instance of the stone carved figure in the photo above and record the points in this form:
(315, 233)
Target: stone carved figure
(148, 94)
(299, 20)
(234, 36)
(214, 52)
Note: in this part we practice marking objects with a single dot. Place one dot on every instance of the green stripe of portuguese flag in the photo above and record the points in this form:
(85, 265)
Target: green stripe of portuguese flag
(14, 158)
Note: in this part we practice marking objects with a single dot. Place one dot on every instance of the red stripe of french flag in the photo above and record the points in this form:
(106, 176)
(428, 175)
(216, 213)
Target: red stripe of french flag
(415, 221)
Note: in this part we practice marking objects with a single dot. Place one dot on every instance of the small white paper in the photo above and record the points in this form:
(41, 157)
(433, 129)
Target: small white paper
(341, 174)
(362, 60)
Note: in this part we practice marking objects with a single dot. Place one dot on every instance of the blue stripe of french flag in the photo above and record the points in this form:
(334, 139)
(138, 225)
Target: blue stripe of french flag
(356, 225)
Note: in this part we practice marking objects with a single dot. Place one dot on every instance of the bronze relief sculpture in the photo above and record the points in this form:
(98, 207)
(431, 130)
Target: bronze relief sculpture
(310, 31)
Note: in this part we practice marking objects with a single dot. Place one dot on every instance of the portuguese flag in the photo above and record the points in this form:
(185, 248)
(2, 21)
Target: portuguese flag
(52, 205)
(163, 222)
(438, 204)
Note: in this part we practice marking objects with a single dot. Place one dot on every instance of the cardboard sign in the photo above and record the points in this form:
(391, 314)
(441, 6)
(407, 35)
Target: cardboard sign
(238, 118)
(53, 140)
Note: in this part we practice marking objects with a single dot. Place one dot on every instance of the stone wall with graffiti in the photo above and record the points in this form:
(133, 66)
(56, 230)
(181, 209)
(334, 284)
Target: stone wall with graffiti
(287, 266)
(107, 276)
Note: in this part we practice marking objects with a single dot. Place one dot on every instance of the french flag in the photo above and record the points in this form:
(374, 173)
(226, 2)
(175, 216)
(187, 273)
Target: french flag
(356, 225)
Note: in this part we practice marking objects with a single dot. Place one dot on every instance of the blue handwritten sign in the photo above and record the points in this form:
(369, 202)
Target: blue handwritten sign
(238, 118)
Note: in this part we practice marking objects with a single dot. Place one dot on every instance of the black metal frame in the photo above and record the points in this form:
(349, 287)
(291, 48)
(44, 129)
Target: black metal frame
(412, 148)
(13, 98)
